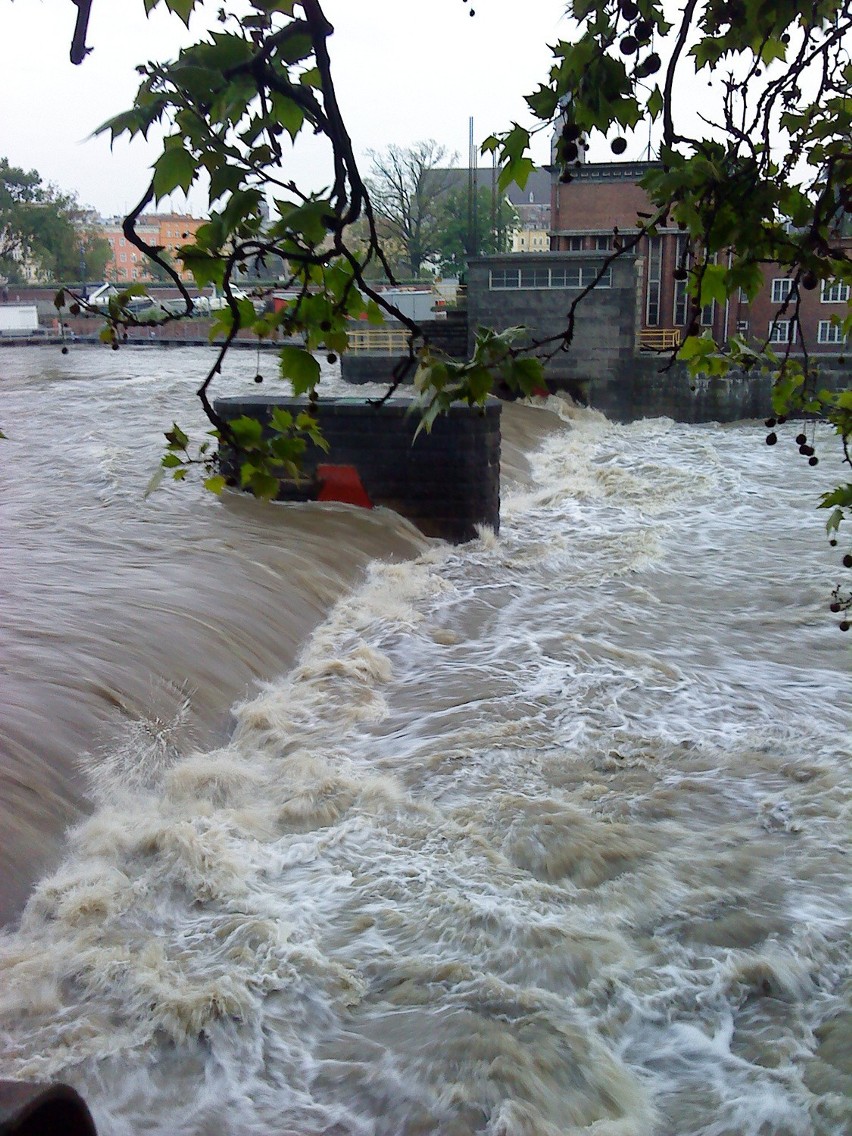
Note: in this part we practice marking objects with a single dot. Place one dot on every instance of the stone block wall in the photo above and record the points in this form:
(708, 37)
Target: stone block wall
(447, 482)
(606, 328)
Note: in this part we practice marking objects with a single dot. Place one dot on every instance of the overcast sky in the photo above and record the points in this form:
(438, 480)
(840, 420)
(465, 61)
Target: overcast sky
(405, 70)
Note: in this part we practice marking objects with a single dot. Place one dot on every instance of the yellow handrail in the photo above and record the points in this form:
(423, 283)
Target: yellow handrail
(379, 340)
(659, 338)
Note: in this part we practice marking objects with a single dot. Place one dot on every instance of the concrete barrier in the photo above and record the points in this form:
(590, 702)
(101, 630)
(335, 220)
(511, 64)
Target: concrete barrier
(447, 482)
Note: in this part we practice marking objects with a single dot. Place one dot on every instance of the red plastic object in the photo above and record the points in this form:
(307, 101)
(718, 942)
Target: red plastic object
(342, 483)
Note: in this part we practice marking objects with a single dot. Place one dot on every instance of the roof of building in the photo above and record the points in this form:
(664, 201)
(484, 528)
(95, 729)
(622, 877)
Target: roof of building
(535, 192)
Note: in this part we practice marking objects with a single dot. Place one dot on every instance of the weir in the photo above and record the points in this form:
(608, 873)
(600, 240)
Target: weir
(445, 481)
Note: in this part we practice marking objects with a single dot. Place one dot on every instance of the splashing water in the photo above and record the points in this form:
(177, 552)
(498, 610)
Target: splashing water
(545, 834)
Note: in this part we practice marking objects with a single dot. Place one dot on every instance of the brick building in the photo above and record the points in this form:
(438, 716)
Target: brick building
(169, 230)
(601, 198)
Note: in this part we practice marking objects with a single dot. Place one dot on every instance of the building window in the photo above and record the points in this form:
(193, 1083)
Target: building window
(602, 242)
(535, 277)
(123, 256)
(834, 293)
(652, 297)
(782, 331)
(575, 244)
(680, 303)
(577, 276)
(742, 327)
(122, 241)
(781, 289)
(830, 332)
(504, 278)
(566, 277)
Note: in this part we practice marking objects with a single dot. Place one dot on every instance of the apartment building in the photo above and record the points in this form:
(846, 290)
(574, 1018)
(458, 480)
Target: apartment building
(168, 230)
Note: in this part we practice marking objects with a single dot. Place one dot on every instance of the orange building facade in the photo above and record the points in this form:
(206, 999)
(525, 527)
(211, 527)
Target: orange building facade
(169, 230)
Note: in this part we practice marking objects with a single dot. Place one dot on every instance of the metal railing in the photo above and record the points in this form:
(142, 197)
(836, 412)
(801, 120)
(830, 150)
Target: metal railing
(659, 338)
(379, 340)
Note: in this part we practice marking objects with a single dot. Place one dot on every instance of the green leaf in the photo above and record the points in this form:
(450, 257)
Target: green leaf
(713, 284)
(224, 179)
(288, 114)
(215, 484)
(205, 269)
(840, 497)
(181, 8)
(176, 437)
(516, 171)
(300, 367)
(262, 484)
(707, 52)
(281, 420)
(542, 103)
(295, 48)
(375, 315)
(174, 168)
(248, 432)
(655, 103)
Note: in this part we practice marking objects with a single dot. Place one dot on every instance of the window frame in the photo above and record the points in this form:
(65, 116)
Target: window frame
(838, 286)
(582, 276)
(776, 325)
(781, 298)
(836, 340)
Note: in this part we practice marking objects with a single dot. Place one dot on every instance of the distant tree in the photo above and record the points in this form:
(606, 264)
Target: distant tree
(94, 253)
(42, 230)
(406, 187)
(463, 231)
(394, 261)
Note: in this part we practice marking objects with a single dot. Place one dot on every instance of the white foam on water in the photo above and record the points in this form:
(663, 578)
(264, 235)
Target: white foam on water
(543, 834)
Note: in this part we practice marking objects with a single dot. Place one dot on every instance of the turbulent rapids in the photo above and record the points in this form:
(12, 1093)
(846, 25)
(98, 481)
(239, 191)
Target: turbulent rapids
(542, 835)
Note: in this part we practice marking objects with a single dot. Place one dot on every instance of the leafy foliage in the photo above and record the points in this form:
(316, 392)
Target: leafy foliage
(765, 177)
(44, 231)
